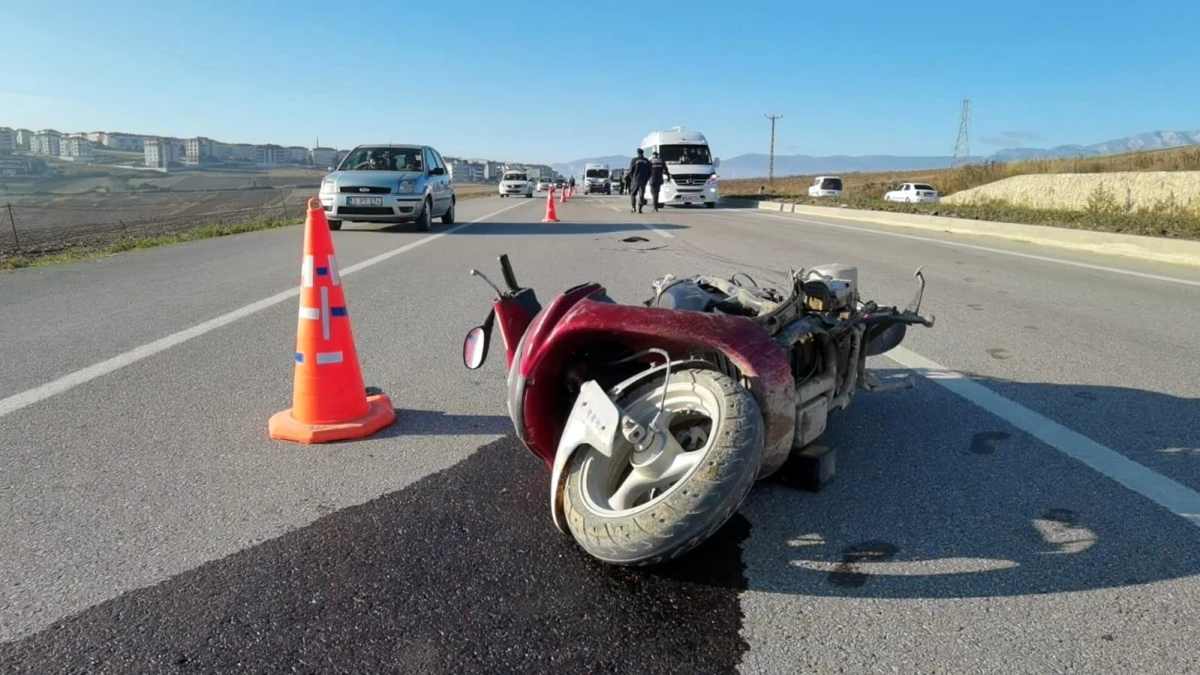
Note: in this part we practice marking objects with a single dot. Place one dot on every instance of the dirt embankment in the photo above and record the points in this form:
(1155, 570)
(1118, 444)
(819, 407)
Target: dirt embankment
(1131, 190)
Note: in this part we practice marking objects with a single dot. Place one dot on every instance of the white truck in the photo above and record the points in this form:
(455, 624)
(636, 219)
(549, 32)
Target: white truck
(691, 163)
(596, 179)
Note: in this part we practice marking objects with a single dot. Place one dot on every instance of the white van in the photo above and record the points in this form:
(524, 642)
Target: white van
(692, 166)
(596, 178)
(826, 186)
(516, 183)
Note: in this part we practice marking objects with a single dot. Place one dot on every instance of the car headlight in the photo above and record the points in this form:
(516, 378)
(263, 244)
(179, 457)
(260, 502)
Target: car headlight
(712, 180)
(407, 186)
(329, 185)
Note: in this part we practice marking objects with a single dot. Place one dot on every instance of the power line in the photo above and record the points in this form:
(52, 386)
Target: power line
(962, 146)
(771, 170)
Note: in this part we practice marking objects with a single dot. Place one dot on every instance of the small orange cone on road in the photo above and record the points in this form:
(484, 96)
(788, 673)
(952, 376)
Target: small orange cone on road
(551, 212)
(329, 401)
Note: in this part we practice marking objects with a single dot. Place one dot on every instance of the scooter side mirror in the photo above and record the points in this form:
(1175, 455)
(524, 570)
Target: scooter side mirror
(475, 346)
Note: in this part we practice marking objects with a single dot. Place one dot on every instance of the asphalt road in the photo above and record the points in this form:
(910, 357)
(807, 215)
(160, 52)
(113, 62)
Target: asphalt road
(1030, 516)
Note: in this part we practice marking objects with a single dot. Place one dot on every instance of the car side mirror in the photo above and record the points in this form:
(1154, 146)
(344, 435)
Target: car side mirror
(437, 171)
(716, 162)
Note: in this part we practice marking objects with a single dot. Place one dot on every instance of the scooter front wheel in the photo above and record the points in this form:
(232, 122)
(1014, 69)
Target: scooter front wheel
(644, 515)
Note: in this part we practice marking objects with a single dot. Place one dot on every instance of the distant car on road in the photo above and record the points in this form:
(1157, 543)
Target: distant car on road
(543, 184)
(913, 193)
(826, 186)
(388, 183)
(515, 183)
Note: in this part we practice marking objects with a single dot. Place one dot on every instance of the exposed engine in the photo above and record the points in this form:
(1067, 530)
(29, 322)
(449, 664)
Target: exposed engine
(813, 323)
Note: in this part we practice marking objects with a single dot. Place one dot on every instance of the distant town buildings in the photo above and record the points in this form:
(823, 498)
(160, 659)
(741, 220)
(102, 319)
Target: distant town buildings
(167, 152)
(324, 158)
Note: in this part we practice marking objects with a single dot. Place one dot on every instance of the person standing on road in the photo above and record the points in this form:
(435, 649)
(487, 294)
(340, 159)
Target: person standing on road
(639, 176)
(658, 169)
(572, 183)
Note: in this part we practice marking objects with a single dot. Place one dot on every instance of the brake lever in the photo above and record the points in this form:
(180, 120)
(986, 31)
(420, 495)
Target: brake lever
(915, 305)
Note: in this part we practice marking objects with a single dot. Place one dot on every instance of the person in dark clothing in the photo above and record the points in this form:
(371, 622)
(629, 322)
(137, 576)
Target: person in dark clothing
(658, 169)
(639, 176)
(572, 182)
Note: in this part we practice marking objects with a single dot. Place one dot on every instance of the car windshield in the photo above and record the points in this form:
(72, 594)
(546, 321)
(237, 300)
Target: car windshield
(922, 186)
(383, 159)
(685, 154)
(514, 176)
(831, 184)
(597, 173)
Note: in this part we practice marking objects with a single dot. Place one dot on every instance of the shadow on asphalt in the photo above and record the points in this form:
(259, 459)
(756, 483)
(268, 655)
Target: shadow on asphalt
(936, 498)
(565, 227)
(460, 572)
(439, 423)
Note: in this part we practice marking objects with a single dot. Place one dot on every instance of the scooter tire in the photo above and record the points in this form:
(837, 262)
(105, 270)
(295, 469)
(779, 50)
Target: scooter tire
(692, 509)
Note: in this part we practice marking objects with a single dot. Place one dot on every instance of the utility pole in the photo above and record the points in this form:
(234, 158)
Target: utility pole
(962, 147)
(771, 170)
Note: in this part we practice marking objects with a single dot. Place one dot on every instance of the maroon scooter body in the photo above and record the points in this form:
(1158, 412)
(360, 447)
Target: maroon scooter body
(584, 316)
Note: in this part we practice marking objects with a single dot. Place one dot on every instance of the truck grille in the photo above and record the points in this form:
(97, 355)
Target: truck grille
(366, 190)
(690, 179)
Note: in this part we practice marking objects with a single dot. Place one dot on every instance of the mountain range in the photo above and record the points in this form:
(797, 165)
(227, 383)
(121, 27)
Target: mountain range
(753, 165)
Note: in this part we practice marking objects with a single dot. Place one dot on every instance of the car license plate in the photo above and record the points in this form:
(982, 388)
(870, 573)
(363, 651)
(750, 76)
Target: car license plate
(364, 201)
(693, 198)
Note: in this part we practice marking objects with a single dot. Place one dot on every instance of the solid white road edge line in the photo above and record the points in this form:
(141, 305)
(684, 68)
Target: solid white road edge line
(28, 397)
(1176, 498)
(989, 249)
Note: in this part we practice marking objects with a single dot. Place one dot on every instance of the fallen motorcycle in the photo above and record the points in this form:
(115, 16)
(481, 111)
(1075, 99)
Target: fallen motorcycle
(657, 419)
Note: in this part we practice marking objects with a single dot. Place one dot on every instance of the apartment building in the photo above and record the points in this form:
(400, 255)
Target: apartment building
(241, 152)
(294, 154)
(197, 150)
(8, 139)
(324, 158)
(116, 140)
(48, 142)
(24, 140)
(270, 154)
(162, 152)
(76, 148)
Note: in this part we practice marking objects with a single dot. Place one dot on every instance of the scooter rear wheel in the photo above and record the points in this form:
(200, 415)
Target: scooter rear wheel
(634, 517)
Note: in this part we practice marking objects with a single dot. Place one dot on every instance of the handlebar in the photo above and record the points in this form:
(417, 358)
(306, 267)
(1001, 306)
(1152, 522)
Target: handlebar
(506, 269)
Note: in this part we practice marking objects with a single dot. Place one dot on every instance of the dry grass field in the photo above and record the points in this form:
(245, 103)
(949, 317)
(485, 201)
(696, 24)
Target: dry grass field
(89, 208)
(1114, 205)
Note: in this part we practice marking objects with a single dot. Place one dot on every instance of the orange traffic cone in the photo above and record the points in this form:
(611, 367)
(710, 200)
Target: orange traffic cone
(329, 402)
(551, 213)
(562, 197)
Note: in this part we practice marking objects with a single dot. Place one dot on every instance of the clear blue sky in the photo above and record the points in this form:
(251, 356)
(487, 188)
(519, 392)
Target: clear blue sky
(553, 82)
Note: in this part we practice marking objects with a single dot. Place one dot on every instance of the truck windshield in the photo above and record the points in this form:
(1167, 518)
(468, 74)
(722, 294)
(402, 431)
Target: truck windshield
(685, 154)
(597, 173)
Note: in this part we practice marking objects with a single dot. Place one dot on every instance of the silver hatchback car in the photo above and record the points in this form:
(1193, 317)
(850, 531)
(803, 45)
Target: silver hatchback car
(387, 183)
